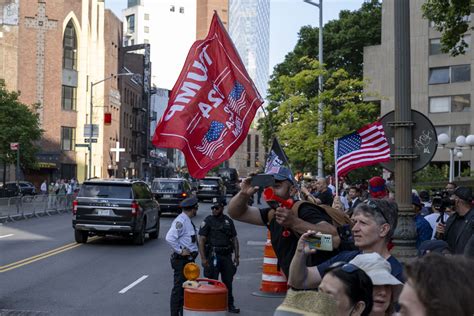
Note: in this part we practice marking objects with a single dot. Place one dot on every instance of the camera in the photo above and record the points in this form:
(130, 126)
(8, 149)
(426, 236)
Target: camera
(442, 201)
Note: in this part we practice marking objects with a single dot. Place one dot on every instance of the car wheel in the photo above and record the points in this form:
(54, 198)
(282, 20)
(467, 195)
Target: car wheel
(154, 234)
(139, 237)
(81, 236)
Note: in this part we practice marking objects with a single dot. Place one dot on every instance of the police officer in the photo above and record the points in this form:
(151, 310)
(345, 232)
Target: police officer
(183, 240)
(217, 241)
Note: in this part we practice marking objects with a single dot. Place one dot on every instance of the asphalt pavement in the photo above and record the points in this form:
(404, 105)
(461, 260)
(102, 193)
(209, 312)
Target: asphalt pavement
(44, 272)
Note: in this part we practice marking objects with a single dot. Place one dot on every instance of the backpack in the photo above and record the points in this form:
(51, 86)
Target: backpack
(338, 218)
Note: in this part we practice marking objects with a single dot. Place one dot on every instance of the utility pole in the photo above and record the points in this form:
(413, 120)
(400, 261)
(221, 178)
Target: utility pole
(320, 84)
(404, 238)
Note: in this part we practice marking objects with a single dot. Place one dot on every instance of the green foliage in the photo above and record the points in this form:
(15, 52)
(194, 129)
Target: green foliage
(431, 173)
(297, 115)
(448, 17)
(17, 124)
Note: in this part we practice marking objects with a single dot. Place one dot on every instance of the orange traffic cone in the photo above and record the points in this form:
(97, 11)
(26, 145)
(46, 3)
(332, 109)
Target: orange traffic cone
(274, 283)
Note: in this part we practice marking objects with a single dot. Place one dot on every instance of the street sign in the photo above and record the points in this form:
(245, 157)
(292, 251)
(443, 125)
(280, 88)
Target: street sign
(87, 130)
(93, 140)
(82, 145)
(14, 146)
(425, 140)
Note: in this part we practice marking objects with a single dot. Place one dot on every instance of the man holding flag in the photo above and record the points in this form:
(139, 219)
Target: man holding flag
(284, 225)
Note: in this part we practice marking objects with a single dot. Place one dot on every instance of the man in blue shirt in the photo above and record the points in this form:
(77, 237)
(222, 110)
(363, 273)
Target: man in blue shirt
(374, 224)
(423, 227)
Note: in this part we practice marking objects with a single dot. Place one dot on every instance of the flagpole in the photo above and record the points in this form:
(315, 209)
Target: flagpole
(335, 166)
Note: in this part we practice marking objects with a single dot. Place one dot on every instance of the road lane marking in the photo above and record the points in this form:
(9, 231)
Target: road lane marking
(125, 289)
(256, 243)
(41, 256)
(5, 236)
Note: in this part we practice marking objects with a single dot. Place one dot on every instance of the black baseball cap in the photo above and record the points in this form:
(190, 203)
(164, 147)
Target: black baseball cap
(281, 174)
(464, 193)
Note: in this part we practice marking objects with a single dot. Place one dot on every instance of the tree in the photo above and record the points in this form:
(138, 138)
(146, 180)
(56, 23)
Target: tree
(17, 124)
(297, 115)
(344, 41)
(449, 18)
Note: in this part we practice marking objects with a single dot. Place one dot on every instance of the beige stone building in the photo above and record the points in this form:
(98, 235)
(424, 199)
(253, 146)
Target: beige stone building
(441, 85)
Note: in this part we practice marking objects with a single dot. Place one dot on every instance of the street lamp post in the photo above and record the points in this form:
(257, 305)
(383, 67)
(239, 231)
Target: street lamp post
(462, 142)
(91, 111)
(320, 83)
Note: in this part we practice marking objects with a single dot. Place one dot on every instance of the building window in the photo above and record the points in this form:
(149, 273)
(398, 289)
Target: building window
(68, 138)
(435, 46)
(461, 103)
(146, 41)
(455, 103)
(181, 9)
(171, 8)
(68, 101)
(132, 42)
(440, 104)
(147, 17)
(453, 131)
(131, 23)
(439, 75)
(70, 47)
(146, 29)
(458, 73)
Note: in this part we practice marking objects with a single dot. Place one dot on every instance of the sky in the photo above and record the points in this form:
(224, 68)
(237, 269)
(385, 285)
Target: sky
(286, 19)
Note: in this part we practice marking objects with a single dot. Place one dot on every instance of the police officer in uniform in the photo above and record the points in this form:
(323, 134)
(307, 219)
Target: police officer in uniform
(217, 241)
(183, 240)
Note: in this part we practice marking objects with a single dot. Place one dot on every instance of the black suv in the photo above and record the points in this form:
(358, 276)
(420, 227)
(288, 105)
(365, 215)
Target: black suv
(115, 207)
(170, 192)
(211, 187)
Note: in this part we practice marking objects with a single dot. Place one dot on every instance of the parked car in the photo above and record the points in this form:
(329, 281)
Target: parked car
(23, 187)
(169, 192)
(211, 187)
(115, 207)
(231, 180)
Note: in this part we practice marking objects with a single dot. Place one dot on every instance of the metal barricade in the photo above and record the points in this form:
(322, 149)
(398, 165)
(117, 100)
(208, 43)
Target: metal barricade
(23, 207)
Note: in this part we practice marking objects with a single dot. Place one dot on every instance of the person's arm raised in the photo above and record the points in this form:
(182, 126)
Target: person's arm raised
(238, 206)
(301, 276)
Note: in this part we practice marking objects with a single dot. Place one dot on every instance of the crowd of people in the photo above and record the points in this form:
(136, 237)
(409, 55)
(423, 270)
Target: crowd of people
(361, 276)
(59, 192)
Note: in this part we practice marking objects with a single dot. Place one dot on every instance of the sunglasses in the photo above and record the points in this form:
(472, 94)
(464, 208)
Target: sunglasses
(215, 207)
(374, 206)
(344, 266)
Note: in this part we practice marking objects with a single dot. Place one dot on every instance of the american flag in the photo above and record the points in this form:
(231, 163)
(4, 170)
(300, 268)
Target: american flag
(236, 98)
(368, 146)
(213, 139)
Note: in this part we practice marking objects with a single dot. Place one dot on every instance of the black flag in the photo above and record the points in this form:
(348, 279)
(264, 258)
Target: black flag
(276, 158)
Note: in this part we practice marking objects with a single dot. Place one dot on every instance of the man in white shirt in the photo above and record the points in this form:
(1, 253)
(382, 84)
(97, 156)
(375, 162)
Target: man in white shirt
(182, 238)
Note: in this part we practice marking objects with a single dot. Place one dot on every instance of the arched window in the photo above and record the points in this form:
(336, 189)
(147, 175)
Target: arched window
(70, 47)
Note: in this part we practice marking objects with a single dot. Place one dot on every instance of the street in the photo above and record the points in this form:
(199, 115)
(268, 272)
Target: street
(44, 272)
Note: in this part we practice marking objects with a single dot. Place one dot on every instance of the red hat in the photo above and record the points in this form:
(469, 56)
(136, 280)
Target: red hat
(377, 188)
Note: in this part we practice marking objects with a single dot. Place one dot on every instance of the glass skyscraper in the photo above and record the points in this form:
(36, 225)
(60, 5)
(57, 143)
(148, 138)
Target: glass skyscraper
(249, 27)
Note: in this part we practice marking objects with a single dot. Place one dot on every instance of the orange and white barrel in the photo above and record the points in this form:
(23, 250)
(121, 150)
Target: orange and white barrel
(209, 297)
(274, 282)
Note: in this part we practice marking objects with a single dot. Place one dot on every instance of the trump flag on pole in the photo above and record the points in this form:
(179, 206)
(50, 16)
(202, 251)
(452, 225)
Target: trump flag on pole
(368, 146)
(212, 104)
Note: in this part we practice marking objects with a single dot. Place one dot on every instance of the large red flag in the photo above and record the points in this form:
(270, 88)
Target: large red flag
(211, 105)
